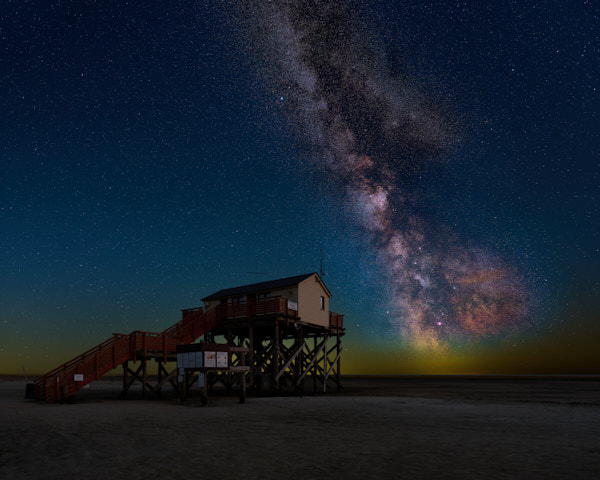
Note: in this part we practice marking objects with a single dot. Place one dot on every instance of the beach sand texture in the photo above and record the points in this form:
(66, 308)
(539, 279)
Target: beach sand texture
(376, 429)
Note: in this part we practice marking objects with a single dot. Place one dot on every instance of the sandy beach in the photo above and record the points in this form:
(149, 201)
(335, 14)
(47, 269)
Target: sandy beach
(377, 428)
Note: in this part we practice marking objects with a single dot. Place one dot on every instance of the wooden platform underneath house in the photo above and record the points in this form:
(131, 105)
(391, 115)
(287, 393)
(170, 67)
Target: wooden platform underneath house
(282, 332)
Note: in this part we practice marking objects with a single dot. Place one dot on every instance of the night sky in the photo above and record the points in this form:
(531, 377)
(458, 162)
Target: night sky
(444, 155)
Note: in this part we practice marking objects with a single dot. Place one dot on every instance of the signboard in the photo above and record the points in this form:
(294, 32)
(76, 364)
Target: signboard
(222, 360)
(210, 359)
(292, 305)
(78, 377)
(204, 356)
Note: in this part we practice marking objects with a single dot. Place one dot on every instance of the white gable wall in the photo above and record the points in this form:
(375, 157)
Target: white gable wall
(309, 309)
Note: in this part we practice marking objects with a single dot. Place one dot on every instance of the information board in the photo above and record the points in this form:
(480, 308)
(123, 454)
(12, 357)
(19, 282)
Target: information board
(210, 359)
(222, 360)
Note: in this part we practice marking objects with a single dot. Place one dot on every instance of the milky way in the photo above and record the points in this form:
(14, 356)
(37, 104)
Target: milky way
(372, 134)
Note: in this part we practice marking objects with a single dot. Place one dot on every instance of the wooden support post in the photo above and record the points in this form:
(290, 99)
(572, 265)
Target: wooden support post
(276, 355)
(228, 379)
(259, 364)
(144, 376)
(190, 380)
(251, 352)
(243, 394)
(144, 347)
(243, 374)
(314, 372)
(183, 388)
(204, 393)
(300, 361)
(125, 383)
(160, 369)
(325, 353)
(338, 352)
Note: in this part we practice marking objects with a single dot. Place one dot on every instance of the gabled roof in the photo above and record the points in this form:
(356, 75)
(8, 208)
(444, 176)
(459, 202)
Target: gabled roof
(262, 286)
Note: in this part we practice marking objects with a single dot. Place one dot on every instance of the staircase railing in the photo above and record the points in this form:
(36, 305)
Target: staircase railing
(72, 376)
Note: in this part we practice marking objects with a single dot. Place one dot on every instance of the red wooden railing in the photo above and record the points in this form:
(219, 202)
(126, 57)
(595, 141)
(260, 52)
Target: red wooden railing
(336, 320)
(268, 306)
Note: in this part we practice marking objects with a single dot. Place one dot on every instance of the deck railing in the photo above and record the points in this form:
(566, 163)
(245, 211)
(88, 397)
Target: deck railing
(269, 306)
(252, 308)
(336, 320)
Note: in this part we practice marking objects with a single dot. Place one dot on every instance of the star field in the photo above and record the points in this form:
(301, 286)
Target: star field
(154, 153)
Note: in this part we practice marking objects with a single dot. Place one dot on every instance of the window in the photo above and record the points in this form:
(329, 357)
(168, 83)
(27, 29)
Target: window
(322, 300)
(261, 297)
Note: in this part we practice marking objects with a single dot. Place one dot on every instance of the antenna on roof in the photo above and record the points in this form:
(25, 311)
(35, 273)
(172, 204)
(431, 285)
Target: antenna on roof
(321, 273)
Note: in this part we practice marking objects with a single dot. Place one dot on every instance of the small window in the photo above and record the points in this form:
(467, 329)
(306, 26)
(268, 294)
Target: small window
(322, 302)
(263, 296)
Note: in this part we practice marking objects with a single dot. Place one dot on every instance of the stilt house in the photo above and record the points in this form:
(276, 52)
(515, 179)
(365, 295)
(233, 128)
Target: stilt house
(284, 327)
(303, 296)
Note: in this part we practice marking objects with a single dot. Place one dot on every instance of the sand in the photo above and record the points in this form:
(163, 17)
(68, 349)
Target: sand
(376, 429)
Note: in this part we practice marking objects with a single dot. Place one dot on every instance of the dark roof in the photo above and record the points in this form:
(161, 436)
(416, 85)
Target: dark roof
(258, 287)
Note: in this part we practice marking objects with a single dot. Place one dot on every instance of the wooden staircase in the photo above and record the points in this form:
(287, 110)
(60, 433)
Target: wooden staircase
(72, 376)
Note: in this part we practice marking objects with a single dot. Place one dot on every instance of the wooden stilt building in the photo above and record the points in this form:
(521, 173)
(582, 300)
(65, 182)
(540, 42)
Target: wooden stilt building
(282, 330)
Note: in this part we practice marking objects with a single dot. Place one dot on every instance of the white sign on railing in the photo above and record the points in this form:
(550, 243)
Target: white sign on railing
(292, 305)
(78, 377)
